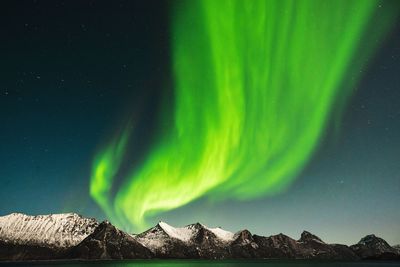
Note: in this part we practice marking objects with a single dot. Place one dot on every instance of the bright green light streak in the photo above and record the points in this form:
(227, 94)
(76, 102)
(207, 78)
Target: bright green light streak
(256, 82)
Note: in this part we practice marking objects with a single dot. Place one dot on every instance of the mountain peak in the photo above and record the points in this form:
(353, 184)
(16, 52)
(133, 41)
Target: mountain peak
(183, 233)
(374, 241)
(196, 226)
(368, 239)
(243, 236)
(307, 236)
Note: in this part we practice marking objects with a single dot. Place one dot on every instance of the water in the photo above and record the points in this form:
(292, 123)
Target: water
(204, 263)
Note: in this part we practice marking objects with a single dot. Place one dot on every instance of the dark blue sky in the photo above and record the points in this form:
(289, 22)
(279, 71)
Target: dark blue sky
(72, 71)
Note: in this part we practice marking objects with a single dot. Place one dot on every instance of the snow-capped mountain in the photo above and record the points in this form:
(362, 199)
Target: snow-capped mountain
(55, 230)
(71, 236)
(193, 240)
(164, 240)
(156, 236)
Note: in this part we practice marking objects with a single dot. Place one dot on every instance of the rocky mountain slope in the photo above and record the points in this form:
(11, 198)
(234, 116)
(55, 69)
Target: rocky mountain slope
(43, 236)
(108, 242)
(373, 247)
(70, 236)
(55, 230)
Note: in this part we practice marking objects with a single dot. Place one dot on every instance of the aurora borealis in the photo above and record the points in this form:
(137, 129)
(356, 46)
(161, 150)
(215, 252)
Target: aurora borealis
(275, 116)
(255, 83)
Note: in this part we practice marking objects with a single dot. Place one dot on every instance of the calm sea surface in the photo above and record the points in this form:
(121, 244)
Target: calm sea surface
(178, 263)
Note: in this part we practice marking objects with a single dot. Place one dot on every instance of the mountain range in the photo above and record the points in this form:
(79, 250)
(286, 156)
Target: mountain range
(71, 236)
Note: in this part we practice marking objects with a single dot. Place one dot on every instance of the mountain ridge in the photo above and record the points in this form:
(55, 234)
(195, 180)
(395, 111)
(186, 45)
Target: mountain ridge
(72, 236)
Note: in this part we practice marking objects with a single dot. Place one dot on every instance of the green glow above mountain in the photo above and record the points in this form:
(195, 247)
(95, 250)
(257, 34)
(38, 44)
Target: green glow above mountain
(255, 85)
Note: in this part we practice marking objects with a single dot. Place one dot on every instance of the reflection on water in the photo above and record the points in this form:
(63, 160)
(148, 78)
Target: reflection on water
(204, 263)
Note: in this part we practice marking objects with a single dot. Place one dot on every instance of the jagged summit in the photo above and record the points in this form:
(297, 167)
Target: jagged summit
(243, 235)
(307, 237)
(195, 225)
(370, 239)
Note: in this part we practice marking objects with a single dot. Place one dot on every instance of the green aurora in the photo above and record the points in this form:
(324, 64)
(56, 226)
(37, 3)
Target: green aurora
(256, 83)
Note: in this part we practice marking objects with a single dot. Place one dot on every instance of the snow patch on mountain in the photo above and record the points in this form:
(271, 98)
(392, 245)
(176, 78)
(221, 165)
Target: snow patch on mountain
(57, 230)
(183, 233)
(186, 233)
(225, 236)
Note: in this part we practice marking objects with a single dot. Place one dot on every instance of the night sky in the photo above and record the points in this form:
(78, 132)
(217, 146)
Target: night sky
(72, 72)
